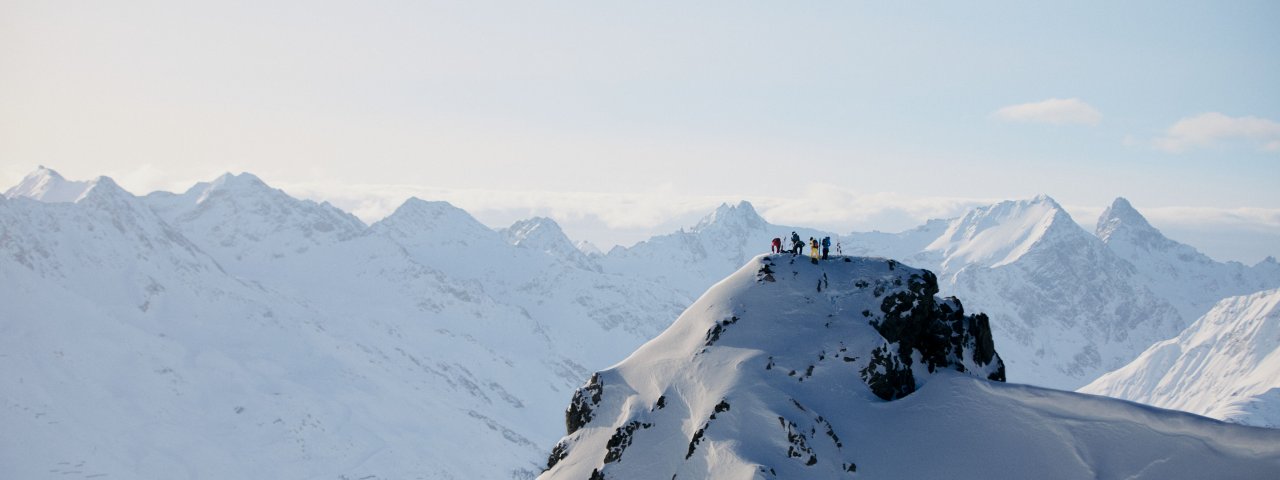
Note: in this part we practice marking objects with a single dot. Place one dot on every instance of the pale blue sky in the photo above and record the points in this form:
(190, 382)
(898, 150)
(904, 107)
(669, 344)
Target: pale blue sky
(613, 116)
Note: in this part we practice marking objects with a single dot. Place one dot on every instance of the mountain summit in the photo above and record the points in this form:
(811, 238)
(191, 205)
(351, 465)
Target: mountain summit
(46, 185)
(783, 369)
(773, 348)
(742, 216)
(1191, 281)
(1120, 214)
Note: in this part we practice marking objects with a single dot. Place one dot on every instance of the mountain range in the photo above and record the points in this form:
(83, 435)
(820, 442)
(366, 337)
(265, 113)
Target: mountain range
(232, 330)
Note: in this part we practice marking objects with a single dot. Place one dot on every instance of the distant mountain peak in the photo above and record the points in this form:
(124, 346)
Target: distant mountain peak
(545, 235)
(416, 214)
(419, 206)
(1120, 214)
(541, 231)
(743, 214)
(1045, 199)
(1000, 234)
(46, 185)
(588, 248)
(242, 180)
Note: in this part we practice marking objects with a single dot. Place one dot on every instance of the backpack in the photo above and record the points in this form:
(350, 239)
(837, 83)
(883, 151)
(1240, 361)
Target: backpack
(826, 241)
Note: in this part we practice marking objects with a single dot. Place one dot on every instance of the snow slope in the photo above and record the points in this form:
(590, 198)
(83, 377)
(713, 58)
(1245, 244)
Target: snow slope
(1226, 365)
(768, 379)
(233, 331)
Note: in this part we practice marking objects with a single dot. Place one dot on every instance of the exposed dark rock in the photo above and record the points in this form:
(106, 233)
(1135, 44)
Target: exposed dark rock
(798, 443)
(558, 453)
(693, 442)
(723, 406)
(719, 328)
(886, 375)
(662, 403)
(582, 407)
(765, 273)
(621, 439)
(915, 321)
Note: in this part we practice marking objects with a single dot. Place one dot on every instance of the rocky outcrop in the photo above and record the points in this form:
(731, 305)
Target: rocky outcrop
(916, 321)
(801, 327)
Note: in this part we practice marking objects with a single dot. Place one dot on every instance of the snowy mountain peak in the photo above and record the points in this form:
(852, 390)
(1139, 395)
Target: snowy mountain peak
(743, 215)
(544, 235)
(1000, 234)
(1121, 214)
(781, 340)
(46, 185)
(1045, 199)
(782, 370)
(536, 232)
(589, 249)
(103, 188)
(416, 216)
(242, 181)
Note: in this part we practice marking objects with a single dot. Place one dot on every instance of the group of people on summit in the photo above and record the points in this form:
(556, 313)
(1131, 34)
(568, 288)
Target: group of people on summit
(817, 248)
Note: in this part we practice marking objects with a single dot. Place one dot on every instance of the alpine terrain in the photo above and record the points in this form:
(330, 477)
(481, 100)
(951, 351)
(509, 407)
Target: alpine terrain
(232, 330)
(853, 367)
(1067, 305)
(236, 332)
(1226, 365)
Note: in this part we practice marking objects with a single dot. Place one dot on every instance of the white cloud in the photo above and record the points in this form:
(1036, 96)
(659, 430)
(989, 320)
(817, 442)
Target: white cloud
(1055, 111)
(1207, 129)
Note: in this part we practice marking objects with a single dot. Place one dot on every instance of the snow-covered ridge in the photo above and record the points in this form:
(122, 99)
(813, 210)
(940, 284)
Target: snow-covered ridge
(1067, 305)
(495, 325)
(775, 373)
(281, 337)
(543, 234)
(1000, 234)
(47, 185)
(1226, 365)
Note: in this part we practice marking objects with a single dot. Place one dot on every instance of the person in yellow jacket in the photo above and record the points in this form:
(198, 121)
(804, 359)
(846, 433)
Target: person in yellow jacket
(814, 249)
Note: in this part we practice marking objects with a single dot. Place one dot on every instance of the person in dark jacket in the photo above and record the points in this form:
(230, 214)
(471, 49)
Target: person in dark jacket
(796, 245)
(826, 247)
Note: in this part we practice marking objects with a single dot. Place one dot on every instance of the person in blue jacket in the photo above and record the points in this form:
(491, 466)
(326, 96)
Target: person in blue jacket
(826, 247)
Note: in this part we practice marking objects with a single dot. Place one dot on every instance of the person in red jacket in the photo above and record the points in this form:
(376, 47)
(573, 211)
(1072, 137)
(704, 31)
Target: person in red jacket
(777, 245)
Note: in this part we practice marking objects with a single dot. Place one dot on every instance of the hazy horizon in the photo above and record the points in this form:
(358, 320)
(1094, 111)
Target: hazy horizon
(623, 120)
